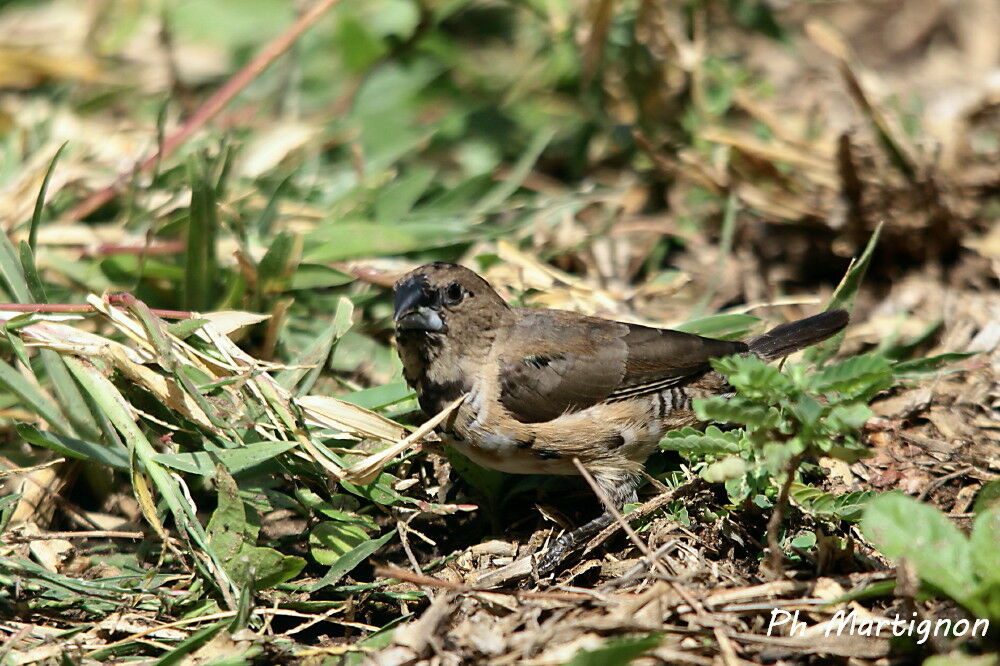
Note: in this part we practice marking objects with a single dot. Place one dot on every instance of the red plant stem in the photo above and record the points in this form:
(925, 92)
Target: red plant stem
(83, 308)
(211, 108)
(165, 247)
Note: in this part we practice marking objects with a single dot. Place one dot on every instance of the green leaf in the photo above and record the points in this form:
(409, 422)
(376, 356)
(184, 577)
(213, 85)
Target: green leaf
(856, 377)
(902, 527)
(190, 644)
(816, 502)
(732, 467)
(278, 263)
(919, 367)
(487, 481)
(318, 351)
(235, 460)
(617, 652)
(753, 377)
(200, 265)
(985, 544)
(850, 416)
(347, 562)
(232, 539)
(502, 191)
(338, 241)
(318, 276)
(710, 442)
(843, 298)
(14, 381)
(36, 216)
(988, 497)
(331, 540)
(74, 448)
(397, 199)
(729, 410)
(720, 325)
(378, 397)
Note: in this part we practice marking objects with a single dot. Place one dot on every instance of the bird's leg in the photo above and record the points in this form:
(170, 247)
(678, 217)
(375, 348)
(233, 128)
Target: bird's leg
(619, 490)
(568, 542)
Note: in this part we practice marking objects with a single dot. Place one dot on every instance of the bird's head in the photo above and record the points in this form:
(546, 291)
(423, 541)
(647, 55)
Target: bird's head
(443, 297)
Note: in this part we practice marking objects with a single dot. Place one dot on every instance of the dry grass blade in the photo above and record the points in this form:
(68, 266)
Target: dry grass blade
(364, 471)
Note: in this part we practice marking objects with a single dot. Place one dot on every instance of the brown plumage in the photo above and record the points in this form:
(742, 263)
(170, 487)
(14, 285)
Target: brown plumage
(547, 386)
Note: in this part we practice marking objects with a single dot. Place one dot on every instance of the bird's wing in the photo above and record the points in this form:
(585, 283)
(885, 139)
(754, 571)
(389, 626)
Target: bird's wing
(556, 362)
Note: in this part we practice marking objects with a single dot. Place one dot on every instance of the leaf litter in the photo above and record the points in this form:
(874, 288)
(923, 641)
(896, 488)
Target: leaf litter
(196, 418)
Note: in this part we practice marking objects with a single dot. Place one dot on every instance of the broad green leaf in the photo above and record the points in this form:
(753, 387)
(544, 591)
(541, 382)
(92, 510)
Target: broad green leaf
(330, 540)
(902, 527)
(732, 467)
(235, 460)
(988, 497)
(338, 241)
(378, 397)
(397, 199)
(232, 539)
(985, 544)
(720, 325)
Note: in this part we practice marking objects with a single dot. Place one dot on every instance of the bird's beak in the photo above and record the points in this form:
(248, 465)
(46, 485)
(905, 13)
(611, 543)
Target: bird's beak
(414, 307)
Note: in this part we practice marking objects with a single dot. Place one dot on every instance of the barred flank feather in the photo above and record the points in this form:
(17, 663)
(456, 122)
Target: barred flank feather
(788, 338)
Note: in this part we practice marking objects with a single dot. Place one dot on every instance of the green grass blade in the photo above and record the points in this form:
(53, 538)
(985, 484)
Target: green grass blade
(843, 298)
(36, 216)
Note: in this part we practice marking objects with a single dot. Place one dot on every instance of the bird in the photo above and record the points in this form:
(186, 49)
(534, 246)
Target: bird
(547, 388)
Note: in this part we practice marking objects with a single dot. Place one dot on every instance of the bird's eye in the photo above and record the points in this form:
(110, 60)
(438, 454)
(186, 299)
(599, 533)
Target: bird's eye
(453, 294)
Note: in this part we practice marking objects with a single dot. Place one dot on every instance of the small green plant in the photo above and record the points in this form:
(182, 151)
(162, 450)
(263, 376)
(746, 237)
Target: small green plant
(965, 569)
(783, 415)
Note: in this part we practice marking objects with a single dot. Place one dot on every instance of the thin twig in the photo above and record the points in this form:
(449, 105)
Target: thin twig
(639, 543)
(84, 308)
(89, 534)
(211, 108)
(431, 581)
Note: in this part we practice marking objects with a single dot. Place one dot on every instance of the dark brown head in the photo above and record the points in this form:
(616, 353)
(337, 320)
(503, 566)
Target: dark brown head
(443, 298)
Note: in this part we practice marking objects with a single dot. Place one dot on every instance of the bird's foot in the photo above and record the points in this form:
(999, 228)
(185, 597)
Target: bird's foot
(557, 552)
(568, 542)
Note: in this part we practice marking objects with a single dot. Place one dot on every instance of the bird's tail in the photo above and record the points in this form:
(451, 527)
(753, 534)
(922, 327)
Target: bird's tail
(793, 336)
